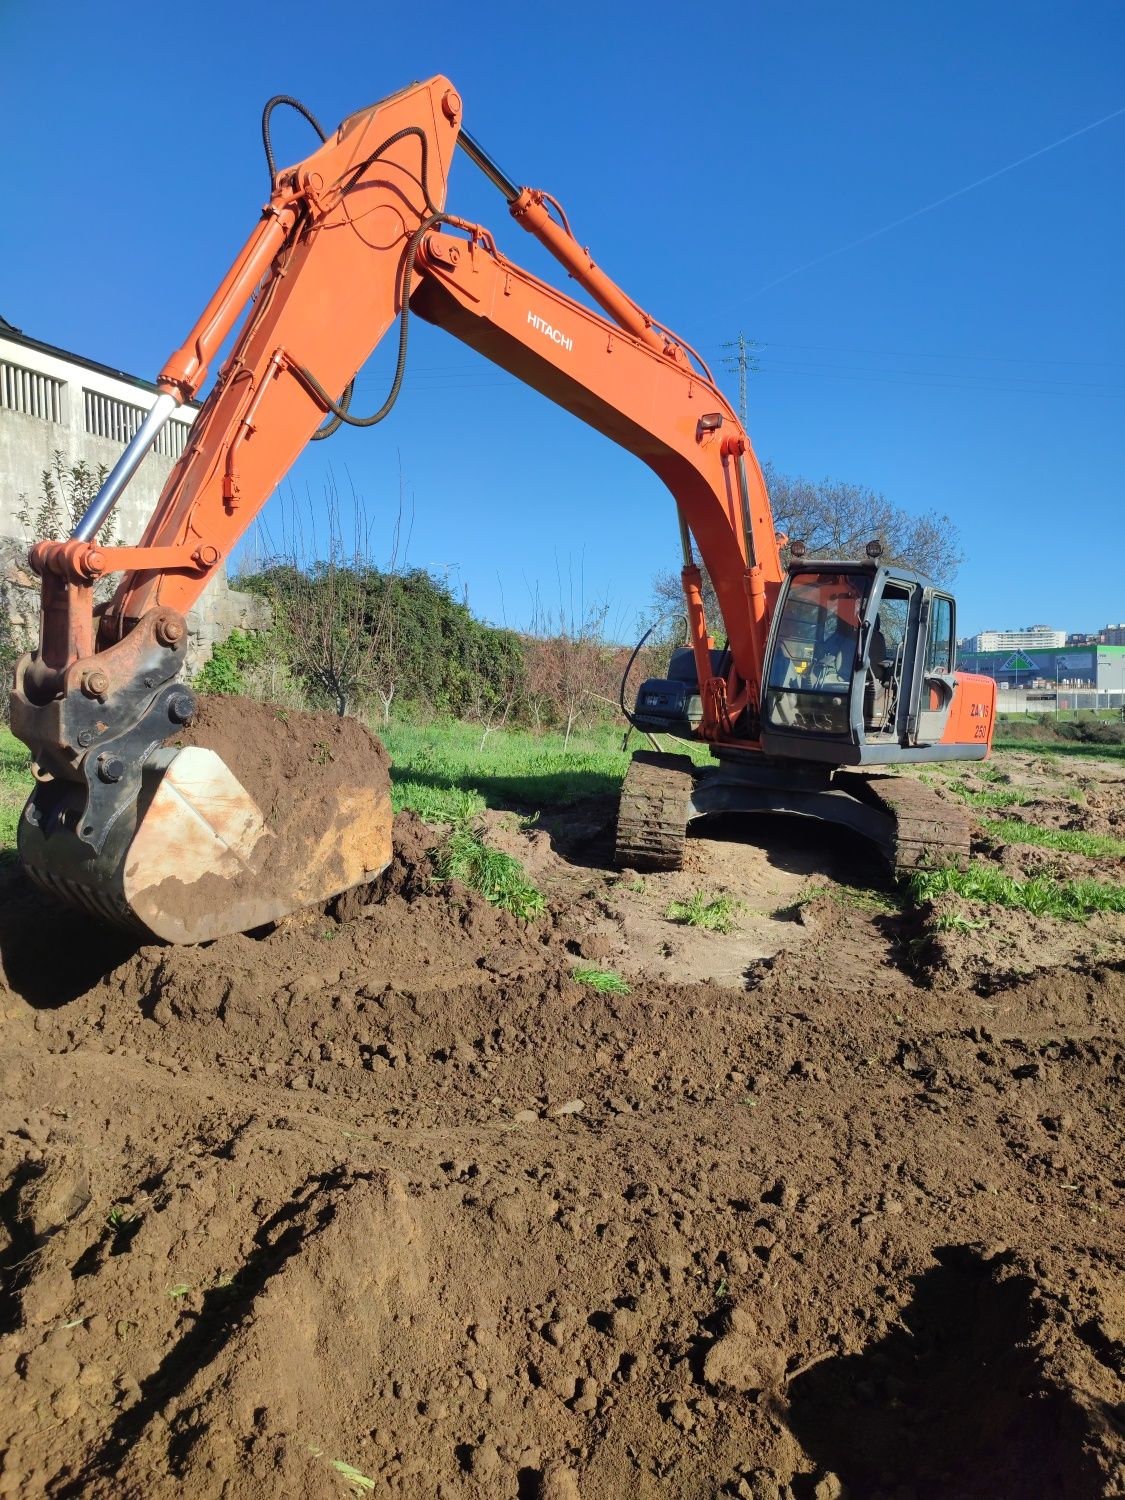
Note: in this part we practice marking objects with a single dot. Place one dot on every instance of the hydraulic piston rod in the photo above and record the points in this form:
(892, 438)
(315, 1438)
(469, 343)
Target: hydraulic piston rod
(124, 469)
(476, 153)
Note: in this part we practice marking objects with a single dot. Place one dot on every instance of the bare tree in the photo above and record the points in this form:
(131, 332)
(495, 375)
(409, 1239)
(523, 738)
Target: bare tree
(836, 519)
(833, 519)
(569, 664)
(335, 613)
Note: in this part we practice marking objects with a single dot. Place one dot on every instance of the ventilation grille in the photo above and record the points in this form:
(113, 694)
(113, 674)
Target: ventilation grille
(107, 417)
(31, 393)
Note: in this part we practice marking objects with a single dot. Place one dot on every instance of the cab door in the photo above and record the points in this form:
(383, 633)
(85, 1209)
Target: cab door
(934, 681)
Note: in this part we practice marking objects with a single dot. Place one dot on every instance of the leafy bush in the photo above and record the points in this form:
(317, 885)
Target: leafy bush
(223, 672)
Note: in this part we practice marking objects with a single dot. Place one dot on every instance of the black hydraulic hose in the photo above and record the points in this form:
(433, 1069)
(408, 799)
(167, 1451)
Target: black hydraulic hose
(330, 427)
(400, 135)
(340, 410)
(267, 140)
(625, 675)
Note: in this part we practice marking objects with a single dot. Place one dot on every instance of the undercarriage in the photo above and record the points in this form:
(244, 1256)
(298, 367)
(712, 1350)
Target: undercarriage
(900, 816)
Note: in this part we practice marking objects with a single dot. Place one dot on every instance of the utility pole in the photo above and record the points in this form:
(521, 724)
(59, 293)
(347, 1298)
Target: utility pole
(743, 358)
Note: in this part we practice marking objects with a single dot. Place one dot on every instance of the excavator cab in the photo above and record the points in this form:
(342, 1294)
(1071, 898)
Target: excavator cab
(860, 670)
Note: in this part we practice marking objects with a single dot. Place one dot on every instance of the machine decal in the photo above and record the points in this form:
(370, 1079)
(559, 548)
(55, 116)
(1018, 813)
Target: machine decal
(548, 332)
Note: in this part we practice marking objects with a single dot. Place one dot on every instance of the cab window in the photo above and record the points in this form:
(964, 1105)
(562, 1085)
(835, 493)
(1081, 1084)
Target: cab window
(939, 644)
(814, 652)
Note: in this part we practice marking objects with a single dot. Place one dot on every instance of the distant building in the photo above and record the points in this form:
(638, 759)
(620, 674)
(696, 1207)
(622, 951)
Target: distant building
(1031, 638)
(53, 402)
(1112, 635)
(1086, 666)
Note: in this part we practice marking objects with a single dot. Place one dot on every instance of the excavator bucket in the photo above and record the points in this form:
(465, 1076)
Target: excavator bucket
(250, 816)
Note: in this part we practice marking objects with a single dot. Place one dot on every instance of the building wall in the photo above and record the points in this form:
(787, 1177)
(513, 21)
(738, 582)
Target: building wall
(1035, 637)
(52, 402)
(1092, 666)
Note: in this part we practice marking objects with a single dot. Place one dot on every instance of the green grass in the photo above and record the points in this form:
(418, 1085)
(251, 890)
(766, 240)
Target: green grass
(713, 913)
(854, 897)
(15, 784)
(497, 876)
(514, 768)
(951, 921)
(986, 885)
(993, 796)
(436, 804)
(1096, 845)
(1062, 747)
(605, 981)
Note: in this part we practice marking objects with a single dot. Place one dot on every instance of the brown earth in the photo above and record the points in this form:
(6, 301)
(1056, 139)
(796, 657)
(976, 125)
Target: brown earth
(388, 1189)
(322, 786)
(288, 761)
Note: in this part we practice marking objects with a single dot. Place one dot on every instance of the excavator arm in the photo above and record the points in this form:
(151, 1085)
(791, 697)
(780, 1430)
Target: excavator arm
(352, 238)
(341, 259)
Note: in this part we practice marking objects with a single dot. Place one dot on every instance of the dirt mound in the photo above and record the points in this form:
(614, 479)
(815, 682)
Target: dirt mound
(289, 761)
(384, 1201)
(203, 863)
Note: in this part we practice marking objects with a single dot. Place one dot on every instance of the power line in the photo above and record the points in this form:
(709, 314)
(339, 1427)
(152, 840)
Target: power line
(963, 354)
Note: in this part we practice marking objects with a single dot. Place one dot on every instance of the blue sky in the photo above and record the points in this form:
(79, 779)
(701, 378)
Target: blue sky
(967, 359)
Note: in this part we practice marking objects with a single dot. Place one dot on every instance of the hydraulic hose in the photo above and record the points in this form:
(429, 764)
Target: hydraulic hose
(340, 409)
(267, 139)
(625, 675)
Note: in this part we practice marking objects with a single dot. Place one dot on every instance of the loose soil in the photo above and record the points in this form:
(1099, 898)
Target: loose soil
(290, 762)
(383, 1201)
(322, 786)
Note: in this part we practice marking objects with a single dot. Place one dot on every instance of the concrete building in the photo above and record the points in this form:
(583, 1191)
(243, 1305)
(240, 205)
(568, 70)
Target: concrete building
(1112, 635)
(1030, 638)
(58, 408)
(1094, 667)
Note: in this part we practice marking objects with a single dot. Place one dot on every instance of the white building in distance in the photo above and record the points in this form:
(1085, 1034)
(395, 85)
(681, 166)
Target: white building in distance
(1031, 638)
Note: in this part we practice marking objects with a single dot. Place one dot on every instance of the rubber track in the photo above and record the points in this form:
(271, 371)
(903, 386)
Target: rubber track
(928, 831)
(653, 813)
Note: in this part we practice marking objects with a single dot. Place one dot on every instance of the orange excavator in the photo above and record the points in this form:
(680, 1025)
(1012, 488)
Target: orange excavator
(829, 667)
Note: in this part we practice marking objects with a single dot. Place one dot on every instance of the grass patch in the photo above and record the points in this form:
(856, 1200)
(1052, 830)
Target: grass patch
(605, 981)
(15, 784)
(436, 804)
(713, 913)
(1071, 841)
(993, 796)
(856, 898)
(497, 876)
(1068, 900)
(1062, 748)
(514, 768)
(952, 921)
